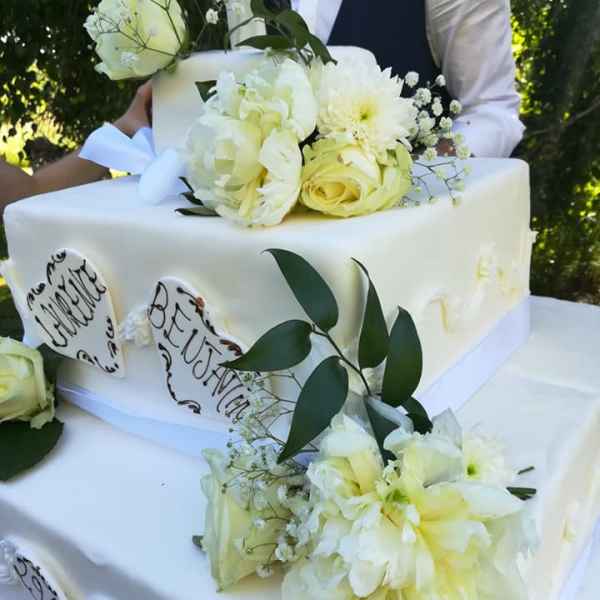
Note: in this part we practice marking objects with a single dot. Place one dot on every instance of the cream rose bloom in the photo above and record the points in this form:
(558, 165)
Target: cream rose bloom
(136, 38)
(343, 180)
(240, 533)
(24, 395)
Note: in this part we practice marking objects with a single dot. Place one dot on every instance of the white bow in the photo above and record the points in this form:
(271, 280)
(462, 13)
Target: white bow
(159, 175)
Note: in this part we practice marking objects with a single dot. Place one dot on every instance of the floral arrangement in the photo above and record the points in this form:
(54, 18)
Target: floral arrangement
(367, 497)
(28, 427)
(299, 131)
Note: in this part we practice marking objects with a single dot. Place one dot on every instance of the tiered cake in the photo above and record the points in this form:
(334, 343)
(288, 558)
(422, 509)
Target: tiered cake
(109, 515)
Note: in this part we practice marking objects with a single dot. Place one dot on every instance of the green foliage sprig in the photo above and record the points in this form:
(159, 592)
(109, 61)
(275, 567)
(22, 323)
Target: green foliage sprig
(326, 389)
(291, 34)
(22, 447)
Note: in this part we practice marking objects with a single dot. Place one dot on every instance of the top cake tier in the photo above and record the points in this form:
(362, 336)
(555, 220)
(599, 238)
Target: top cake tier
(177, 103)
(457, 268)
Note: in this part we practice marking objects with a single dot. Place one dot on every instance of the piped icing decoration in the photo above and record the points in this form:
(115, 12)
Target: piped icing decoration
(19, 566)
(136, 328)
(193, 351)
(8, 552)
(74, 314)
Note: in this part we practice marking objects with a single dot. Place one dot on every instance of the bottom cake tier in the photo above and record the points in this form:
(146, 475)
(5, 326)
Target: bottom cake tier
(111, 516)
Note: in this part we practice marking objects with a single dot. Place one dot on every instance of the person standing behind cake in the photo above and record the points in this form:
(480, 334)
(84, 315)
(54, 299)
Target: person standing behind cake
(467, 41)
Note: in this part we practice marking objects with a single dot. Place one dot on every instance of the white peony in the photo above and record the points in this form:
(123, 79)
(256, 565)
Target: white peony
(280, 95)
(222, 156)
(242, 178)
(415, 529)
(358, 101)
(136, 38)
(272, 96)
(243, 154)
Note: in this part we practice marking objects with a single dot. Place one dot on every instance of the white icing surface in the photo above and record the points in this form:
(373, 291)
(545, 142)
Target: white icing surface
(411, 253)
(117, 513)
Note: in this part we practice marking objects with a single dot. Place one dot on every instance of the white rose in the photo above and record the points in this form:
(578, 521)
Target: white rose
(136, 38)
(238, 537)
(24, 395)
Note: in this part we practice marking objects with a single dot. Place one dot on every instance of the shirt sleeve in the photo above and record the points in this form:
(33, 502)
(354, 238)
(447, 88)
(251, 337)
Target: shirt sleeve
(472, 42)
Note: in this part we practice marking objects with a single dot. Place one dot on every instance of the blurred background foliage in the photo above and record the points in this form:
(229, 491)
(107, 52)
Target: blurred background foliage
(51, 98)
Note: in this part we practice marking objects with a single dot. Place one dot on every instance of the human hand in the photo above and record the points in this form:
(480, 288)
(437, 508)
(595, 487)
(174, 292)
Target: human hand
(139, 113)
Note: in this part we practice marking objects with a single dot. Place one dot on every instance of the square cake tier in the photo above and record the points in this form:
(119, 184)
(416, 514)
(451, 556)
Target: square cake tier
(459, 269)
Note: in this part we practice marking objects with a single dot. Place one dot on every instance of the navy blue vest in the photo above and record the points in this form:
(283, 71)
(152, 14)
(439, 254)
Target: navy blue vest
(394, 31)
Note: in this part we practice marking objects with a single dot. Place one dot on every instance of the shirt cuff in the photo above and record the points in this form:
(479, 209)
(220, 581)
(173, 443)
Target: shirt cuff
(489, 135)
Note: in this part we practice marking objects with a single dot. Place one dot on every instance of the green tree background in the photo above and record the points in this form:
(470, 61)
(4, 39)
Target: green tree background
(47, 83)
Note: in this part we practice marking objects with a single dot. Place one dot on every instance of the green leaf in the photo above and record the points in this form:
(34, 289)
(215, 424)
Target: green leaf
(197, 541)
(382, 427)
(310, 289)
(522, 493)
(189, 196)
(262, 42)
(282, 347)
(187, 184)
(22, 447)
(259, 9)
(374, 340)
(527, 470)
(404, 365)
(296, 25)
(52, 362)
(206, 89)
(321, 398)
(320, 49)
(200, 211)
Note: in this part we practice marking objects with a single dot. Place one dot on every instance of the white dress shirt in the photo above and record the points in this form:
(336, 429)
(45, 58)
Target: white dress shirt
(471, 41)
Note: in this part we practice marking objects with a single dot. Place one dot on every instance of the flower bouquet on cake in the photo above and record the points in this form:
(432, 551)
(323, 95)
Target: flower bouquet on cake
(299, 131)
(366, 496)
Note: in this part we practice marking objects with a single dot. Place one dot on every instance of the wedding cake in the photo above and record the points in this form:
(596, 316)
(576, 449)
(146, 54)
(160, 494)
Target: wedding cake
(155, 308)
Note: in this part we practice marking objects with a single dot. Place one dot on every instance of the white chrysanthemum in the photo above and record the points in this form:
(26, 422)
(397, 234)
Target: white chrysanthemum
(414, 529)
(359, 101)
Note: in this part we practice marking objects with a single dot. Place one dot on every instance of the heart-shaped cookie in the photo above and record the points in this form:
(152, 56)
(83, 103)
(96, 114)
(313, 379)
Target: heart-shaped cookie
(74, 314)
(192, 351)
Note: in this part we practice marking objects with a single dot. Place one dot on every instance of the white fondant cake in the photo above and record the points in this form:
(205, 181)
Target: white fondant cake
(457, 269)
(147, 305)
(116, 513)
